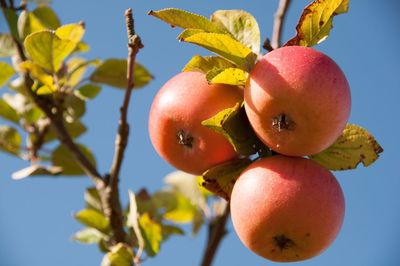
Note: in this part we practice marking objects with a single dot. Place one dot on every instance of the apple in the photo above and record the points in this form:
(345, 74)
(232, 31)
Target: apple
(287, 208)
(297, 100)
(175, 118)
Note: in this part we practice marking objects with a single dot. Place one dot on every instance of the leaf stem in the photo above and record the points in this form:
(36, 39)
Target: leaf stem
(216, 232)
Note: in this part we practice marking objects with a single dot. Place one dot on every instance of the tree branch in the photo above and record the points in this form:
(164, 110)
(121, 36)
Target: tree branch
(279, 20)
(56, 119)
(113, 208)
(216, 232)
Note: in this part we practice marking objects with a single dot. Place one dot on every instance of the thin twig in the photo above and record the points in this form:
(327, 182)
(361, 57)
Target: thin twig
(280, 16)
(216, 232)
(114, 212)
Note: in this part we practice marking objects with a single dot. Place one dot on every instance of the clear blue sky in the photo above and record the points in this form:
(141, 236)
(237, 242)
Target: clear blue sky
(36, 215)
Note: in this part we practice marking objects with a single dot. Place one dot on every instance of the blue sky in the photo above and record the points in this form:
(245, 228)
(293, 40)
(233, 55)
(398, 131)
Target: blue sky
(36, 215)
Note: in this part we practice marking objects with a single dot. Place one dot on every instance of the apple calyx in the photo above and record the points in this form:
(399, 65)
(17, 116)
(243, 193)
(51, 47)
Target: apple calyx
(184, 138)
(283, 242)
(283, 122)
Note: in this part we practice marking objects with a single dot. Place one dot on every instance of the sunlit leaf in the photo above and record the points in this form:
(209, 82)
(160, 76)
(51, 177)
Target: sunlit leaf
(48, 50)
(7, 112)
(89, 236)
(152, 234)
(206, 63)
(10, 140)
(169, 230)
(87, 91)
(120, 255)
(316, 21)
(242, 25)
(230, 76)
(36, 72)
(28, 23)
(178, 208)
(6, 73)
(71, 32)
(76, 67)
(93, 219)
(225, 46)
(113, 72)
(186, 20)
(62, 157)
(47, 17)
(356, 145)
(187, 185)
(23, 106)
(35, 170)
(220, 179)
(233, 124)
(7, 45)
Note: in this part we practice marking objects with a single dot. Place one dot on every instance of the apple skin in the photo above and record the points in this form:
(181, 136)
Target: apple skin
(297, 100)
(287, 209)
(176, 115)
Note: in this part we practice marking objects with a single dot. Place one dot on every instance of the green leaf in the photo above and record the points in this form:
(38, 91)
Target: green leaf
(23, 106)
(225, 46)
(220, 179)
(242, 25)
(87, 91)
(48, 50)
(63, 158)
(316, 21)
(12, 20)
(89, 236)
(206, 63)
(7, 112)
(7, 45)
(36, 72)
(356, 145)
(35, 170)
(47, 17)
(76, 70)
(10, 140)
(120, 255)
(230, 76)
(93, 219)
(152, 234)
(92, 199)
(186, 20)
(75, 129)
(75, 108)
(169, 230)
(187, 185)
(6, 73)
(113, 72)
(198, 221)
(28, 23)
(233, 124)
(178, 208)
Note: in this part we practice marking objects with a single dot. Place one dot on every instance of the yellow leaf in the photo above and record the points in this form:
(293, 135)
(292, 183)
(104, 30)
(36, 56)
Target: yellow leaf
(6, 73)
(316, 21)
(242, 25)
(47, 50)
(230, 76)
(71, 32)
(38, 73)
(206, 63)
(355, 145)
(186, 20)
(225, 46)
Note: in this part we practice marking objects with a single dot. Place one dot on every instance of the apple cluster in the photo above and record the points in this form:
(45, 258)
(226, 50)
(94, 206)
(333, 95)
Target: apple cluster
(284, 207)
